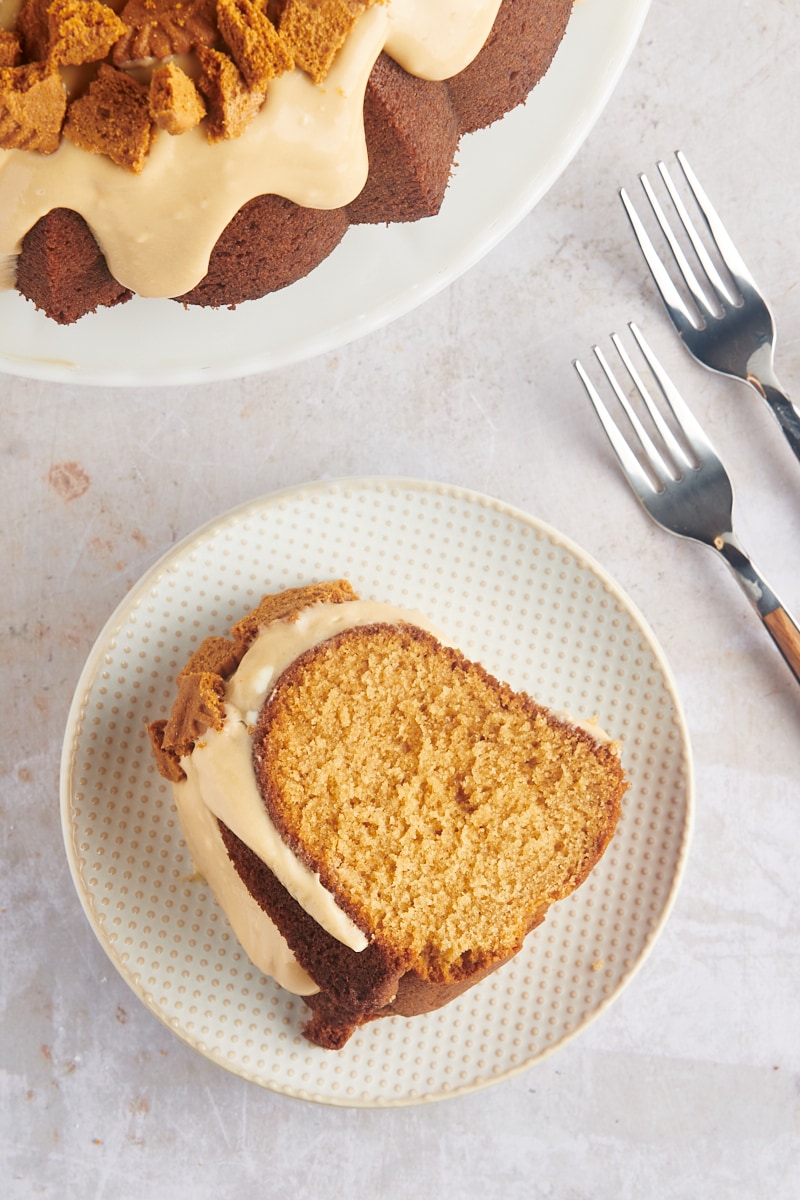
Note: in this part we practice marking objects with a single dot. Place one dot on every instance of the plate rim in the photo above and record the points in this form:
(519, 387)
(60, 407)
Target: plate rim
(387, 483)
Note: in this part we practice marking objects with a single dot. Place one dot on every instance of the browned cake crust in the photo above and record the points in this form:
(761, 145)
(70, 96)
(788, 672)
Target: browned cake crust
(408, 173)
(515, 57)
(62, 269)
(249, 261)
(412, 128)
(287, 606)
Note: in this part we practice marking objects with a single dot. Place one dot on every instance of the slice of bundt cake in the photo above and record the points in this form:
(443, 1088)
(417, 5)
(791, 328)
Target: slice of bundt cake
(402, 818)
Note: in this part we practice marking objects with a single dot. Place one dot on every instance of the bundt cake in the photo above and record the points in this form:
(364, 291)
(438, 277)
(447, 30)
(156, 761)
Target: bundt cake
(213, 151)
(383, 821)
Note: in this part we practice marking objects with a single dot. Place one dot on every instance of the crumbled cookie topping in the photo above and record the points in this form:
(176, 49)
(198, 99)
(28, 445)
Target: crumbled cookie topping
(175, 103)
(10, 49)
(200, 705)
(258, 49)
(155, 29)
(80, 31)
(32, 27)
(231, 104)
(316, 33)
(33, 102)
(229, 50)
(113, 118)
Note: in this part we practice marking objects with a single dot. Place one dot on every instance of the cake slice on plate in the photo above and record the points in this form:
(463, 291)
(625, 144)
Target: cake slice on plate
(382, 819)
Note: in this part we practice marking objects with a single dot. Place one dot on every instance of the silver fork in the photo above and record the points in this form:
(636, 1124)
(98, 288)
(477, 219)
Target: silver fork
(728, 325)
(685, 487)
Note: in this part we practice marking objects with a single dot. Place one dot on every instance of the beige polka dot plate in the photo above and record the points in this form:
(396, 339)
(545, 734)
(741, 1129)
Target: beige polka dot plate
(512, 593)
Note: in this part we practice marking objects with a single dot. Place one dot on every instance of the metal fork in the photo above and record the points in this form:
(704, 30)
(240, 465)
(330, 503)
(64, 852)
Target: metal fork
(685, 487)
(728, 325)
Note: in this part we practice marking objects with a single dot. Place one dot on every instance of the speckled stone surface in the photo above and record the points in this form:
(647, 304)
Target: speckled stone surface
(689, 1084)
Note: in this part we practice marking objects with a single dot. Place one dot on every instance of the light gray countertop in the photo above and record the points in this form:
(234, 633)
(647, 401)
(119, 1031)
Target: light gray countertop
(689, 1085)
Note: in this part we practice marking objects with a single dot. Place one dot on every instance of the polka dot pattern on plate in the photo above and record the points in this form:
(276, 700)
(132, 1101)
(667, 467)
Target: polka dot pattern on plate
(511, 592)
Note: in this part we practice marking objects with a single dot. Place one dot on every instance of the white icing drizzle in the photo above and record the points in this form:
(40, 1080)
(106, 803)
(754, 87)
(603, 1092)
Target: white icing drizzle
(157, 229)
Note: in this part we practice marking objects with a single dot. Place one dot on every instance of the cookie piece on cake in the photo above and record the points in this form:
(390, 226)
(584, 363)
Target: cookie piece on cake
(440, 812)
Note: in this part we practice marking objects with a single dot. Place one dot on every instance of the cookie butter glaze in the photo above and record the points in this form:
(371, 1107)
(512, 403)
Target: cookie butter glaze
(157, 229)
(220, 783)
(260, 939)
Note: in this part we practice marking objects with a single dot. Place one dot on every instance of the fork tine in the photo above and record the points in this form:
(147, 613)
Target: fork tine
(690, 427)
(673, 301)
(645, 440)
(698, 244)
(689, 278)
(728, 252)
(632, 469)
(676, 450)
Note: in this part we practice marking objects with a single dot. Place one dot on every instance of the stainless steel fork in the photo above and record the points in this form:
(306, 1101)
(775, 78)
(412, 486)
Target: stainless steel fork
(727, 325)
(684, 486)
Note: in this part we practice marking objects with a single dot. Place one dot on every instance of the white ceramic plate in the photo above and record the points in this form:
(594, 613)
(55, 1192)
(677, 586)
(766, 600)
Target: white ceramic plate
(511, 592)
(375, 274)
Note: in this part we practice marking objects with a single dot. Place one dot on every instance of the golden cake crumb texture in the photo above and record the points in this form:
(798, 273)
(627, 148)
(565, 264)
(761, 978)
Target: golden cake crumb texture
(442, 809)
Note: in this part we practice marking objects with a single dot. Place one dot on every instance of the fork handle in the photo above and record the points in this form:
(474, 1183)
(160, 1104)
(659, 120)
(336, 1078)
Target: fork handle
(787, 413)
(786, 636)
(777, 622)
